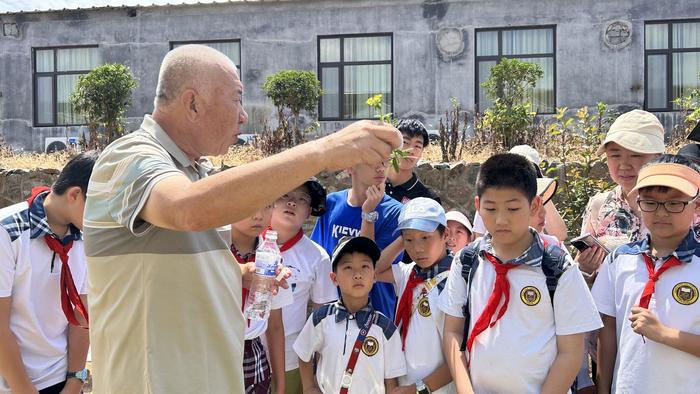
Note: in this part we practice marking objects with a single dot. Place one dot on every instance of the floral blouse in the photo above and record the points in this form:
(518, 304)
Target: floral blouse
(610, 218)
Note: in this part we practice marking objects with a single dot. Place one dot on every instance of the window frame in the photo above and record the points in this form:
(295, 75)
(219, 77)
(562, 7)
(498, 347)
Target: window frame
(668, 52)
(340, 65)
(223, 40)
(497, 58)
(54, 85)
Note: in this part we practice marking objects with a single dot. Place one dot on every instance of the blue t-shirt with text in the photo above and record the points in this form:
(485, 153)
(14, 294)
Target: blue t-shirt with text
(341, 219)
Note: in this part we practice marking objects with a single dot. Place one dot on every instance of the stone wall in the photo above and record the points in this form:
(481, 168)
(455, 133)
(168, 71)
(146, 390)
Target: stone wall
(16, 185)
(454, 183)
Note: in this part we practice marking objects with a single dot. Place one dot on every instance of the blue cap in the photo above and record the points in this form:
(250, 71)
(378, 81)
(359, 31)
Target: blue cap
(422, 214)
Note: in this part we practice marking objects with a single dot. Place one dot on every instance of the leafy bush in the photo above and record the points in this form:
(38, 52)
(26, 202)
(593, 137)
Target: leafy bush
(102, 97)
(291, 91)
(575, 140)
(509, 87)
(689, 111)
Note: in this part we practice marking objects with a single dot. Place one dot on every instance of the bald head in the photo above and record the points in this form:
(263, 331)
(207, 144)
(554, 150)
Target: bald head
(190, 67)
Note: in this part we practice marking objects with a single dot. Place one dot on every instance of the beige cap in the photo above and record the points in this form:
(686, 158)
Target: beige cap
(638, 131)
(459, 217)
(676, 176)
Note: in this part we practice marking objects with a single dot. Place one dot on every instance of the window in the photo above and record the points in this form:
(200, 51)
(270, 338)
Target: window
(353, 68)
(56, 72)
(230, 48)
(672, 62)
(529, 44)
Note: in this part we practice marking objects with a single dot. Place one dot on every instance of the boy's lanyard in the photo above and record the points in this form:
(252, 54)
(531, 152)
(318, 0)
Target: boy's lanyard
(428, 285)
(350, 368)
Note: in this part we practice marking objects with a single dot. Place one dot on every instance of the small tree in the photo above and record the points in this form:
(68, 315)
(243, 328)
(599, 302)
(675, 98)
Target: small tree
(510, 87)
(689, 110)
(295, 91)
(102, 97)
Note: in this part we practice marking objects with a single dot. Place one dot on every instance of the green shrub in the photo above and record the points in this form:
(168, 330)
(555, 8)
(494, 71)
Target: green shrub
(291, 91)
(102, 97)
(509, 87)
(575, 140)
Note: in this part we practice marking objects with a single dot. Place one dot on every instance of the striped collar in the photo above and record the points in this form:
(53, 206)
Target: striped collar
(684, 251)
(360, 317)
(39, 225)
(532, 256)
(431, 272)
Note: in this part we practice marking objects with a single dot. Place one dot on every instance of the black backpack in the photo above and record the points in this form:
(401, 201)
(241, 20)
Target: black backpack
(554, 263)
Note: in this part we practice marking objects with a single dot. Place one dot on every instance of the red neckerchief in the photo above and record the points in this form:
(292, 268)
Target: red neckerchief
(70, 299)
(403, 312)
(290, 242)
(501, 288)
(654, 276)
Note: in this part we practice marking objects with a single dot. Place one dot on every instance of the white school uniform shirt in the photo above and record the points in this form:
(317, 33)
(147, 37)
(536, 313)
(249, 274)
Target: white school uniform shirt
(423, 350)
(310, 280)
(36, 318)
(652, 367)
(515, 355)
(331, 332)
(256, 328)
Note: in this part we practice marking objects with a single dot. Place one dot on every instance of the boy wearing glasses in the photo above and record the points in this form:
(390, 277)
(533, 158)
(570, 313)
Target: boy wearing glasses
(647, 291)
(309, 264)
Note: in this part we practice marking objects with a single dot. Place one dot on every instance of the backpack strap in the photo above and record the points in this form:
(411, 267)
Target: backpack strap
(554, 263)
(469, 257)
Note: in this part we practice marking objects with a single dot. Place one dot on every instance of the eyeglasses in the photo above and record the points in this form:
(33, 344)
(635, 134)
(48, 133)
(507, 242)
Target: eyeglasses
(673, 206)
(301, 199)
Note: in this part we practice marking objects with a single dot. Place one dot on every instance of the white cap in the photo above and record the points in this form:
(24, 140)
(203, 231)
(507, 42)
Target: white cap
(528, 152)
(459, 217)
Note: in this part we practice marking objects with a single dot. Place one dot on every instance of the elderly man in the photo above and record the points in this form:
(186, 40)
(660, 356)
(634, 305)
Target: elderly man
(165, 291)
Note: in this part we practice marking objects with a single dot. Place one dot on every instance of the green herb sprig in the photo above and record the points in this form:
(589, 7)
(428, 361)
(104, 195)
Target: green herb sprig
(375, 102)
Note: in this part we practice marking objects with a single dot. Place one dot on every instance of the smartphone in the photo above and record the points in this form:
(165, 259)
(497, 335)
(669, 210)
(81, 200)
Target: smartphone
(586, 241)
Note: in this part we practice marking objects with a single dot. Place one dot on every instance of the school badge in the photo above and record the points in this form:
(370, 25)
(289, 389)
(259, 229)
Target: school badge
(530, 295)
(423, 306)
(685, 293)
(370, 346)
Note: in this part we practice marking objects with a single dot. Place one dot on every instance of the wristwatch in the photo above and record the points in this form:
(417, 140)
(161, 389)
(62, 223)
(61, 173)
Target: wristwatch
(370, 216)
(80, 375)
(421, 388)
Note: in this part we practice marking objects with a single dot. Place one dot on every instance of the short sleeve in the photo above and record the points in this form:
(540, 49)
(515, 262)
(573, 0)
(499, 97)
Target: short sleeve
(7, 264)
(590, 215)
(322, 289)
(401, 272)
(454, 295)
(478, 226)
(603, 290)
(309, 341)
(394, 360)
(123, 179)
(574, 309)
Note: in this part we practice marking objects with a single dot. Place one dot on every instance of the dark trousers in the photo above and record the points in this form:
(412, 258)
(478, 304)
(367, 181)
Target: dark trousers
(55, 389)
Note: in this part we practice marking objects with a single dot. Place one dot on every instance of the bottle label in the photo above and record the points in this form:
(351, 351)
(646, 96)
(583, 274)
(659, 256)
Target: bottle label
(266, 264)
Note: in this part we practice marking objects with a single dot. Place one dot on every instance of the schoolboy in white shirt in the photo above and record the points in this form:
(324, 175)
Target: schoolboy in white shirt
(424, 233)
(309, 264)
(515, 311)
(358, 348)
(647, 291)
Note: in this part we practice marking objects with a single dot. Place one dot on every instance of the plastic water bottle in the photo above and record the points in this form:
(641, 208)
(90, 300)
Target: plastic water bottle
(267, 257)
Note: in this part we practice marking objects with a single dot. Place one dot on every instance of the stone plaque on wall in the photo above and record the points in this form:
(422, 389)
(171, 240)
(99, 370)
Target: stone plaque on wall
(617, 34)
(450, 42)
